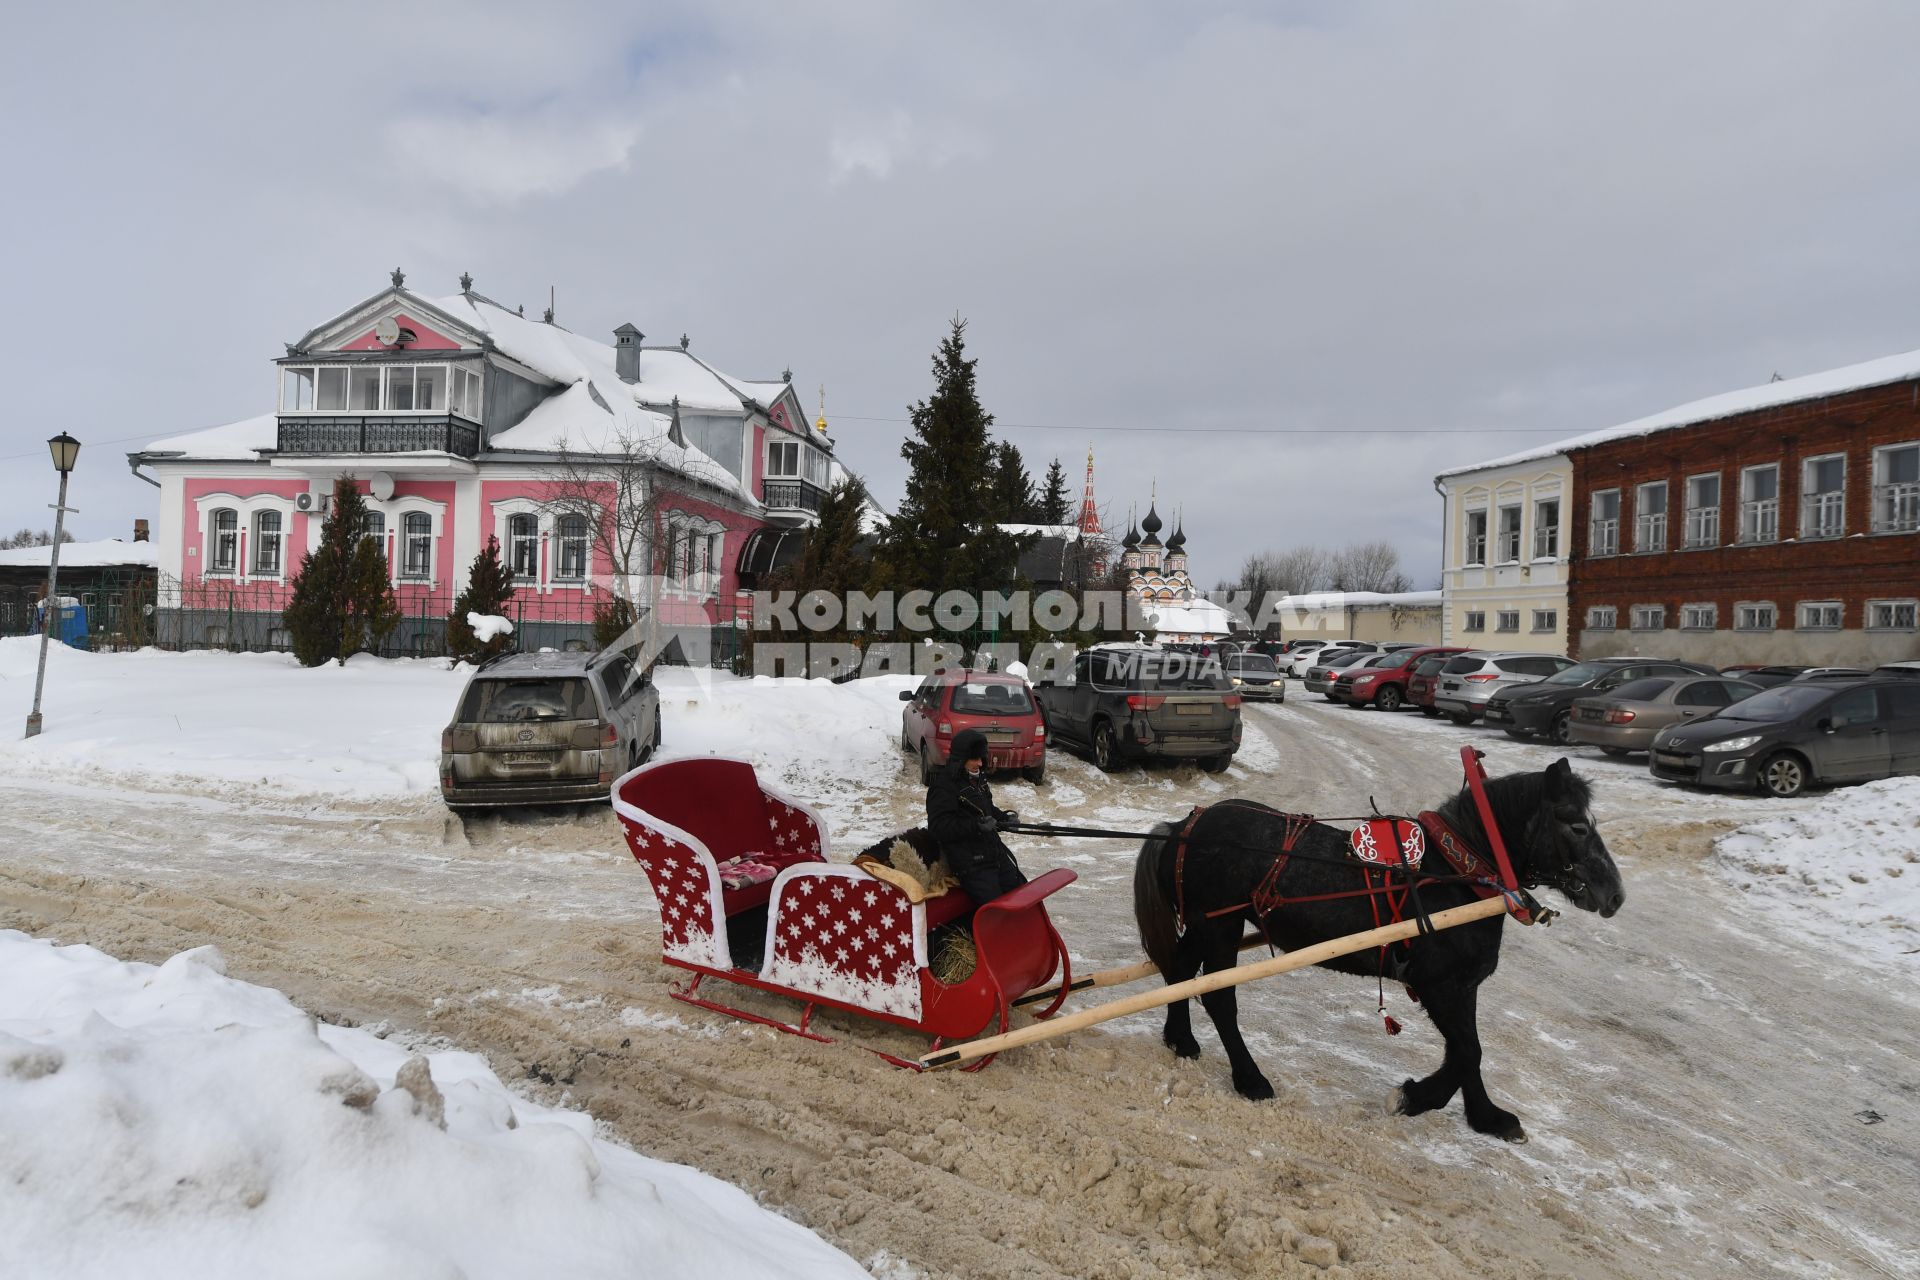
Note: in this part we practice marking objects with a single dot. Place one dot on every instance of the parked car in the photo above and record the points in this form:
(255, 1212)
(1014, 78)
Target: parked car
(1833, 673)
(1256, 676)
(1302, 661)
(1626, 719)
(1469, 679)
(1424, 681)
(1545, 709)
(1320, 675)
(1905, 670)
(1383, 684)
(1787, 738)
(1125, 702)
(1766, 676)
(998, 705)
(546, 728)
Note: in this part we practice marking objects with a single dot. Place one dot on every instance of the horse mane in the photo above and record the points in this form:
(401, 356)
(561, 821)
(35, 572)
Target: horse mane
(1515, 798)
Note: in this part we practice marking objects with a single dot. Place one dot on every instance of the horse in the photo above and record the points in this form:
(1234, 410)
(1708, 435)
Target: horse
(1231, 852)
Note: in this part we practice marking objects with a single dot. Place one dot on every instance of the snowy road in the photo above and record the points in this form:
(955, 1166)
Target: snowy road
(1695, 1076)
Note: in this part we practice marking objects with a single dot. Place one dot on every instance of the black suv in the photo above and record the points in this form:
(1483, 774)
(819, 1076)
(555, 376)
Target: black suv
(1125, 702)
(1545, 708)
(1785, 738)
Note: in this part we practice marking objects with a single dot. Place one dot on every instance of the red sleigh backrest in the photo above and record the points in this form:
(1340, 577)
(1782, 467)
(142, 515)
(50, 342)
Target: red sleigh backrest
(715, 800)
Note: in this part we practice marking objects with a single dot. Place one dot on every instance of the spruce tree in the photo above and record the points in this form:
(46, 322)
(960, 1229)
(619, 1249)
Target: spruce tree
(489, 587)
(342, 600)
(944, 536)
(1054, 507)
(1013, 499)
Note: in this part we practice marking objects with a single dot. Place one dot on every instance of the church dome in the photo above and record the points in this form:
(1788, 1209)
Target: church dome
(1178, 542)
(1151, 525)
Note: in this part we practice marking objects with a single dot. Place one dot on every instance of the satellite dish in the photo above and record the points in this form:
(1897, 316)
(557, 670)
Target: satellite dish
(380, 485)
(387, 330)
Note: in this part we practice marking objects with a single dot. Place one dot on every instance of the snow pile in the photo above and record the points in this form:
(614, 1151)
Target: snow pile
(83, 555)
(171, 1122)
(488, 625)
(1847, 869)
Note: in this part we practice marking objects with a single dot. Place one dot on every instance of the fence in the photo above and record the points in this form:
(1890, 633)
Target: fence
(118, 601)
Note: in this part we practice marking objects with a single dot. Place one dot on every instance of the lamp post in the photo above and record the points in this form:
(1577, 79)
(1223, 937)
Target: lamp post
(65, 450)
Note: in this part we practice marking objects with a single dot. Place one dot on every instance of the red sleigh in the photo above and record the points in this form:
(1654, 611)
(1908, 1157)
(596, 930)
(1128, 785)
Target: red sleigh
(719, 846)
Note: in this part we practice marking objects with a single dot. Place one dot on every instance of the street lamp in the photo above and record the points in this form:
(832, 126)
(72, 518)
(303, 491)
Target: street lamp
(66, 451)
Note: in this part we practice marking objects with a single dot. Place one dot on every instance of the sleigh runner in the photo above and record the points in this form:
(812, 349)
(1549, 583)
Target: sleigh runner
(747, 897)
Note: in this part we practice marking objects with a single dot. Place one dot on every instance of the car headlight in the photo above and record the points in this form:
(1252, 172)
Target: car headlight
(1740, 743)
(1365, 679)
(1236, 680)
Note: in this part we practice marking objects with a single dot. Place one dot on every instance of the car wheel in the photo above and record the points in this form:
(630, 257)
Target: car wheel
(1388, 699)
(926, 766)
(1783, 775)
(1036, 774)
(906, 742)
(656, 734)
(1106, 748)
(1562, 730)
(1615, 751)
(1461, 718)
(1217, 764)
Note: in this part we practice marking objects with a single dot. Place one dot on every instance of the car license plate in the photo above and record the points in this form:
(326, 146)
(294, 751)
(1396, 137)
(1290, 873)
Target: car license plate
(1496, 713)
(1192, 709)
(1451, 684)
(528, 757)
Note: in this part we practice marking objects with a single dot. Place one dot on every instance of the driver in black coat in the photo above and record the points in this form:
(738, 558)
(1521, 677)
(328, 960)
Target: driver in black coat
(962, 817)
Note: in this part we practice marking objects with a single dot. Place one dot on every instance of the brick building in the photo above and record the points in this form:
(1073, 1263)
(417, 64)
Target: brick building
(1776, 524)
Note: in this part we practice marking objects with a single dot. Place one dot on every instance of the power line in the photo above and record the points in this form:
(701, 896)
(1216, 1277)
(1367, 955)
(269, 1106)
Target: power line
(1250, 431)
(38, 453)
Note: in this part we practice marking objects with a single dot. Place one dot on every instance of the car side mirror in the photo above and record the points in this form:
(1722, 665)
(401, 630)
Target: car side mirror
(906, 695)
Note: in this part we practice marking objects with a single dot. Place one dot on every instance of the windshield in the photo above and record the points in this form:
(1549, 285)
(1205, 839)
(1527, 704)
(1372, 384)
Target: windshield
(1397, 660)
(1352, 659)
(991, 699)
(1782, 702)
(1251, 662)
(1578, 673)
(508, 701)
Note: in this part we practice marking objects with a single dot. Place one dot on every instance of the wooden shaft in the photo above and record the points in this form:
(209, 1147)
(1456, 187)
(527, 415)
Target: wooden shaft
(1200, 986)
(1117, 977)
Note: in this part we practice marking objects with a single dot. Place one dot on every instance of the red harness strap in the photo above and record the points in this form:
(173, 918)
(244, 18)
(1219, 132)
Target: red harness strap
(1266, 895)
(1485, 880)
(1180, 870)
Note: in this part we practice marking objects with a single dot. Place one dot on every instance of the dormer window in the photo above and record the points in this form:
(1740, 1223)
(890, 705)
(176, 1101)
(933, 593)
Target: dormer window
(380, 388)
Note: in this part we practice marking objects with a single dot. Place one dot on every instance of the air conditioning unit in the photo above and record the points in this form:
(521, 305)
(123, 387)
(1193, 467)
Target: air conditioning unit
(314, 503)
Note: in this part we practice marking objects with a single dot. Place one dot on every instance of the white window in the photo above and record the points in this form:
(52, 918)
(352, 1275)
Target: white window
(1476, 620)
(1546, 529)
(1755, 615)
(1650, 517)
(1649, 617)
(374, 525)
(523, 546)
(380, 388)
(1821, 615)
(1476, 538)
(783, 458)
(1893, 615)
(296, 390)
(266, 544)
(1546, 620)
(464, 391)
(1509, 534)
(1760, 503)
(1699, 617)
(573, 548)
(226, 541)
(1602, 617)
(1703, 511)
(430, 388)
(416, 531)
(331, 396)
(1605, 540)
(816, 464)
(1823, 497)
(1896, 488)
(1508, 620)
(363, 388)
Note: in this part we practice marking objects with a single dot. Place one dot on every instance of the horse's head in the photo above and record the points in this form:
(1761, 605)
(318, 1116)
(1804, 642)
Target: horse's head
(1564, 849)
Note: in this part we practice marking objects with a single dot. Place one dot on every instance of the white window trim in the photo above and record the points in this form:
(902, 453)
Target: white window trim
(1466, 537)
(1552, 624)
(1641, 518)
(245, 509)
(1519, 507)
(1593, 519)
(396, 511)
(1558, 527)
(385, 367)
(1718, 508)
(1800, 615)
(706, 586)
(547, 555)
(1633, 618)
(1713, 616)
(1878, 482)
(1612, 613)
(1739, 605)
(1806, 494)
(1740, 534)
(1908, 601)
(1467, 622)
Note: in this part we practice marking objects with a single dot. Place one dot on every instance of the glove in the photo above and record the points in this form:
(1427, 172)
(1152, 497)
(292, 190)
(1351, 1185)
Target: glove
(987, 826)
(1006, 820)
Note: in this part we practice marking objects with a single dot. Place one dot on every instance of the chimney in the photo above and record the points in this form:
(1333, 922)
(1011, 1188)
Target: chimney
(626, 352)
(140, 531)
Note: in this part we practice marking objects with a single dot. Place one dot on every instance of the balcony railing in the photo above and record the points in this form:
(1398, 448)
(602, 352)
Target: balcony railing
(436, 433)
(1760, 520)
(1823, 515)
(1703, 527)
(791, 495)
(1896, 507)
(1650, 533)
(1606, 538)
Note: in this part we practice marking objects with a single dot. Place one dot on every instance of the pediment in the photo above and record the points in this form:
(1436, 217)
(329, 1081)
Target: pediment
(357, 329)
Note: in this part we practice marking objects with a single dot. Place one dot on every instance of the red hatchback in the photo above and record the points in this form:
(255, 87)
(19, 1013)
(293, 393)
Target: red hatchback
(1423, 682)
(1384, 683)
(999, 706)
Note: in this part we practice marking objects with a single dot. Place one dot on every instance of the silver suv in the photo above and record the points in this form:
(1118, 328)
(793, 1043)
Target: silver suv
(547, 728)
(1470, 678)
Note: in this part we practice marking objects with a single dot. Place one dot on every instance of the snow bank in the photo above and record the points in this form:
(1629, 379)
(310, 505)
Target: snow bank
(488, 625)
(175, 1124)
(1847, 869)
(83, 555)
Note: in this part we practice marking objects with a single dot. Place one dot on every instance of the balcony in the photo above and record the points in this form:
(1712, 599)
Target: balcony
(792, 494)
(412, 433)
(1896, 507)
(1823, 515)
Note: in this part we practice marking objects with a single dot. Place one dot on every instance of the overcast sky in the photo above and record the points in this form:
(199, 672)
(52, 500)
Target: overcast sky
(1287, 260)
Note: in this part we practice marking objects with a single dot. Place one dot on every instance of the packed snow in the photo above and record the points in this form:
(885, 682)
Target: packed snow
(177, 1124)
(488, 625)
(105, 552)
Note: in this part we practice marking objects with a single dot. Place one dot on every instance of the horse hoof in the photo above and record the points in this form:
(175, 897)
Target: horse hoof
(1516, 1135)
(1254, 1090)
(1187, 1048)
(1397, 1102)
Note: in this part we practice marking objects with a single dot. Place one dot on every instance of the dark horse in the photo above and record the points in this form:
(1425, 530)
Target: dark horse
(1550, 839)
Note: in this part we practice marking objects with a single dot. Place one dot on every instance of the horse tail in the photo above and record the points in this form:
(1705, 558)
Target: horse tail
(1151, 910)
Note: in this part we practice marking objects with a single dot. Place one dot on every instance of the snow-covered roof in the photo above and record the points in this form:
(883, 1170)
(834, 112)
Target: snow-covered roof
(1769, 395)
(242, 440)
(83, 555)
(1070, 532)
(1200, 616)
(1361, 599)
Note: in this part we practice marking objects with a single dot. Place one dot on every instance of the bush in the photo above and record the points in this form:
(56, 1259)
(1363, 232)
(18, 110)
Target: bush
(489, 587)
(342, 601)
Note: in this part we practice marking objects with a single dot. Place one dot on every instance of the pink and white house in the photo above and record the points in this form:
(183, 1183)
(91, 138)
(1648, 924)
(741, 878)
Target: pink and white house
(454, 415)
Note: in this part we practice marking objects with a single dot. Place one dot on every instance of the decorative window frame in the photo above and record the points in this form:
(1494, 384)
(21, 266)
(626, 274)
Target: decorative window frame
(1519, 532)
(547, 552)
(1908, 602)
(1593, 521)
(1467, 558)
(1700, 615)
(1742, 502)
(1634, 618)
(705, 584)
(1740, 623)
(1475, 620)
(1540, 499)
(1801, 607)
(1603, 617)
(1807, 496)
(1500, 623)
(1687, 510)
(396, 511)
(245, 509)
(1652, 531)
(1545, 621)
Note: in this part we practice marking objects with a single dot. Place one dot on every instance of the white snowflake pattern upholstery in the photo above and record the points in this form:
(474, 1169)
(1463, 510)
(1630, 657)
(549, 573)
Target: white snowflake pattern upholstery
(837, 932)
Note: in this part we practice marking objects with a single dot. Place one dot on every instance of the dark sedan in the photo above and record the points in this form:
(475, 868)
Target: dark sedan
(1786, 738)
(1545, 708)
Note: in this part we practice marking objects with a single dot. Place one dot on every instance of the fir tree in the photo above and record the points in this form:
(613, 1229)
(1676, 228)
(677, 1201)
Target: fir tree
(489, 587)
(943, 537)
(1013, 499)
(1053, 499)
(342, 600)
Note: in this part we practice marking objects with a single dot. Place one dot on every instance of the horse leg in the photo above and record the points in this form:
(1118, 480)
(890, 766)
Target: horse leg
(1178, 1031)
(1454, 1009)
(1223, 1007)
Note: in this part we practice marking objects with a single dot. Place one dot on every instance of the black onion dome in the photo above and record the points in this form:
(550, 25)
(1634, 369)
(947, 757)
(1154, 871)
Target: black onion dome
(1178, 542)
(1151, 525)
(1132, 539)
